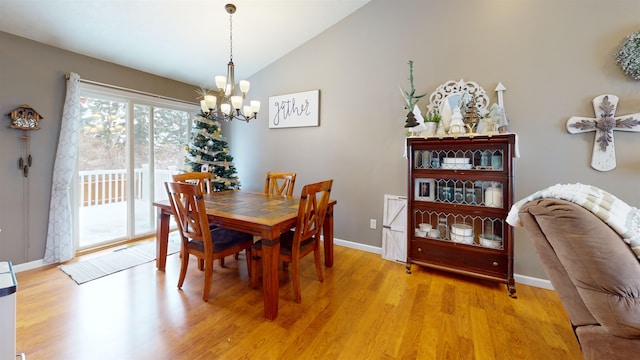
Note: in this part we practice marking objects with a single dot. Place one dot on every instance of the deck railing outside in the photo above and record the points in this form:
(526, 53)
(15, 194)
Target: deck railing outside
(99, 187)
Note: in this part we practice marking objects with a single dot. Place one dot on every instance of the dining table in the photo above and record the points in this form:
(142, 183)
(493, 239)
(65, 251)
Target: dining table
(256, 213)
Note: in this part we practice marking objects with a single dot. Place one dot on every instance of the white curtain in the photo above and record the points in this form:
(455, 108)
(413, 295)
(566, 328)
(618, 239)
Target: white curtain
(60, 246)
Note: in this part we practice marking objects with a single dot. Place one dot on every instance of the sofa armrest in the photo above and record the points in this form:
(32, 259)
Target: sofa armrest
(601, 268)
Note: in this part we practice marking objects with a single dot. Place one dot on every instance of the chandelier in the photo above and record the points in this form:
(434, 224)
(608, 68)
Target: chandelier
(226, 104)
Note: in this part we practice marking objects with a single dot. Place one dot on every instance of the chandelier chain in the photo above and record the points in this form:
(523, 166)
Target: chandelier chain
(231, 37)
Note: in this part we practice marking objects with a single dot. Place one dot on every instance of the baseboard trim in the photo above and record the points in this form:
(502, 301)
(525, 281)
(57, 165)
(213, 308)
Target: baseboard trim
(522, 279)
(532, 281)
(358, 246)
(29, 266)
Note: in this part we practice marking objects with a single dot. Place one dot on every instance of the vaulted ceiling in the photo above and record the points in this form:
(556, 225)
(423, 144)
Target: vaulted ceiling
(185, 40)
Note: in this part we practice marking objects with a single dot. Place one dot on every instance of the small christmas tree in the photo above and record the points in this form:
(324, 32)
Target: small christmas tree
(208, 148)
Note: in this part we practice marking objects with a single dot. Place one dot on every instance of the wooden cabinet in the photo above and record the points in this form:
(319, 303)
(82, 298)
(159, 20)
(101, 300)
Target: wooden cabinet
(460, 191)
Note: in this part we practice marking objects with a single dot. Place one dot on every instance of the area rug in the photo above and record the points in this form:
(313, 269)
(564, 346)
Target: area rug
(115, 261)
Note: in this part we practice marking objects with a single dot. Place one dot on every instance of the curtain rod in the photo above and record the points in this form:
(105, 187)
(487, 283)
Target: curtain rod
(131, 90)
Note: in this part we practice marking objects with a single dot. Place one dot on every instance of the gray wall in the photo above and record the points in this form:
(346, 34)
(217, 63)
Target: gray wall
(32, 73)
(554, 57)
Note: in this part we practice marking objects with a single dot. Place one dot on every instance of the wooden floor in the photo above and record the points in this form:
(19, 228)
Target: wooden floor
(366, 308)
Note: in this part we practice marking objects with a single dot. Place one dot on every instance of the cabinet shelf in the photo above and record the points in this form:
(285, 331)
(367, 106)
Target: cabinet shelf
(460, 228)
(460, 191)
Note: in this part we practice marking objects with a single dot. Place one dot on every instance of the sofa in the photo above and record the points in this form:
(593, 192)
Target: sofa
(595, 273)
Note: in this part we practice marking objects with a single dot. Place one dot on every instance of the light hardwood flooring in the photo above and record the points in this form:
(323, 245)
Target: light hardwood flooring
(366, 308)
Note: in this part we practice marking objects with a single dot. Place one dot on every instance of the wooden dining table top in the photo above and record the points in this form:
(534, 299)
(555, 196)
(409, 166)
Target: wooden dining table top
(248, 206)
(252, 206)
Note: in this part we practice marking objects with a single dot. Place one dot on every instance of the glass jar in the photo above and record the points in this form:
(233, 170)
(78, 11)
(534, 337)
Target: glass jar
(458, 196)
(446, 194)
(485, 158)
(470, 196)
(496, 162)
(493, 195)
(443, 228)
(435, 160)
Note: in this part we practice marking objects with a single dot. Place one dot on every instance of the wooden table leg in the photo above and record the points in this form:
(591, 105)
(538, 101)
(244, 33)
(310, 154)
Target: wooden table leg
(270, 256)
(327, 234)
(162, 238)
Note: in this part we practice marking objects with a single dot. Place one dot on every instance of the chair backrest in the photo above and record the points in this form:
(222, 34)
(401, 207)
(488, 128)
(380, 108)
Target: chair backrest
(279, 183)
(314, 201)
(190, 213)
(203, 179)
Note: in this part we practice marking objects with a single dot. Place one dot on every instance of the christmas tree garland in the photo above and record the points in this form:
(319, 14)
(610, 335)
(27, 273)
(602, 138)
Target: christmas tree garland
(199, 160)
(208, 122)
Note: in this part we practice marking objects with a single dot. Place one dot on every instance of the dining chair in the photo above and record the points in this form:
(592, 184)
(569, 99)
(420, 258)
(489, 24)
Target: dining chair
(304, 239)
(197, 238)
(203, 179)
(279, 183)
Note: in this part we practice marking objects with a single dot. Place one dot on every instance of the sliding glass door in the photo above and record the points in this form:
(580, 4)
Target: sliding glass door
(153, 165)
(102, 175)
(128, 148)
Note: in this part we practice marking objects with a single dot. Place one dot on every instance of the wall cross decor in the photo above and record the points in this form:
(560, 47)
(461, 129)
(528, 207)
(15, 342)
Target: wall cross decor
(605, 122)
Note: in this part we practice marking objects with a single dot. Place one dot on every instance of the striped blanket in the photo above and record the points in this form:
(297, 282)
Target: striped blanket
(622, 218)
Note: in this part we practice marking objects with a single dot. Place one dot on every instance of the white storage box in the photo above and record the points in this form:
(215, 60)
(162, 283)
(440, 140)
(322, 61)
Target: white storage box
(8, 288)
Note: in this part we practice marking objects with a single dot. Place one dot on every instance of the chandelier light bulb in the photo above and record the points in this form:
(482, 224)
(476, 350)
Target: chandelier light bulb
(221, 81)
(255, 105)
(244, 86)
(210, 100)
(236, 102)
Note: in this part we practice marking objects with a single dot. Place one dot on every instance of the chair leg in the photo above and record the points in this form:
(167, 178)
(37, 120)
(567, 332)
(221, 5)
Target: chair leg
(200, 264)
(208, 278)
(255, 270)
(221, 262)
(247, 253)
(318, 261)
(295, 279)
(183, 268)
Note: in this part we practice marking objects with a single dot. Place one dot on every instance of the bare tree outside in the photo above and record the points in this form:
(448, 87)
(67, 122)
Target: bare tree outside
(104, 131)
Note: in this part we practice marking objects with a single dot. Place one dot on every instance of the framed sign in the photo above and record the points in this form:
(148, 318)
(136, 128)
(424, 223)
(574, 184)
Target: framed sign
(294, 110)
